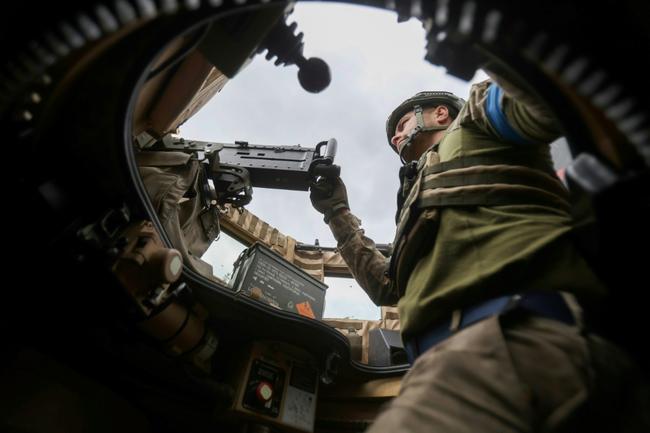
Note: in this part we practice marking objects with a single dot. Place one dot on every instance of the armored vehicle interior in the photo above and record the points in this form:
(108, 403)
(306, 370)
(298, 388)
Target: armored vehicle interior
(113, 322)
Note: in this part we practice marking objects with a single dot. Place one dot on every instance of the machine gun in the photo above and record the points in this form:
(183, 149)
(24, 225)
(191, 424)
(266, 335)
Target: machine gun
(233, 169)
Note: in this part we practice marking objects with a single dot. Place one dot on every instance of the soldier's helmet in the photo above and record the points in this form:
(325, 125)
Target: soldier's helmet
(423, 99)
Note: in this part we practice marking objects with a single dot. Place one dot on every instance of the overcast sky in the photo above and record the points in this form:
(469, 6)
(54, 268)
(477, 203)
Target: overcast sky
(375, 63)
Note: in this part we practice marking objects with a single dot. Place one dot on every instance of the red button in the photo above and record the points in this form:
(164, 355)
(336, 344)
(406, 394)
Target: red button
(264, 391)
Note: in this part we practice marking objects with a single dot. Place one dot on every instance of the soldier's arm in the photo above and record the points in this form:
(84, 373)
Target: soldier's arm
(510, 110)
(367, 265)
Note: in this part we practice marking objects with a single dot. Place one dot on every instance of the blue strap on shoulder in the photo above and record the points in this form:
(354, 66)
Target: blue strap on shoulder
(498, 119)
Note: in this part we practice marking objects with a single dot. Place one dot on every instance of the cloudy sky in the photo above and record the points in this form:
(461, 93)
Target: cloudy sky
(375, 63)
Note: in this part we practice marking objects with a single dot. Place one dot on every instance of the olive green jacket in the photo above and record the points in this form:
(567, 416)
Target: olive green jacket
(464, 254)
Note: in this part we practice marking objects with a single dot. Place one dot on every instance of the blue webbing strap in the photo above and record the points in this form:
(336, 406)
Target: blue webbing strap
(498, 119)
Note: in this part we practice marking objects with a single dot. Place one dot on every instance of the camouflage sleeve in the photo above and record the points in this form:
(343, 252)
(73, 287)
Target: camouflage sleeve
(368, 266)
(510, 111)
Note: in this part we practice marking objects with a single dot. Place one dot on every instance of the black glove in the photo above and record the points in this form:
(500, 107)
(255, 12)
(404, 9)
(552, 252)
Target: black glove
(328, 195)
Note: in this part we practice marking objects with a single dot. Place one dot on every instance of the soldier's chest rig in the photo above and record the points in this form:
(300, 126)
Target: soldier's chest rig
(428, 185)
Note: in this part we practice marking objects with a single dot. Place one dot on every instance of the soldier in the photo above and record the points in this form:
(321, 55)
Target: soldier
(485, 274)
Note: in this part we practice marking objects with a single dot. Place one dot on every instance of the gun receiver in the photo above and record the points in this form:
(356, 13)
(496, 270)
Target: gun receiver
(236, 167)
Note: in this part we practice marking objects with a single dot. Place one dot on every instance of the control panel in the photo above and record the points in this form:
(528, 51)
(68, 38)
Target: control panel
(264, 388)
(277, 385)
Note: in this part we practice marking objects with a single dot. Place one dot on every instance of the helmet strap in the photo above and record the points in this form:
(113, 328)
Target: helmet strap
(417, 130)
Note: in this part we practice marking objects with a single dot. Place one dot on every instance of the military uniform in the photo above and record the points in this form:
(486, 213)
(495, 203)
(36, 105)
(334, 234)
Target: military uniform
(456, 255)
(482, 217)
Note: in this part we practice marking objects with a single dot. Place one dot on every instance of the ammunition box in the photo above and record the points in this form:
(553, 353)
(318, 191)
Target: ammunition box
(266, 276)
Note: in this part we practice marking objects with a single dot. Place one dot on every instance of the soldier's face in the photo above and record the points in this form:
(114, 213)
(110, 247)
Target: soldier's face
(422, 141)
(405, 125)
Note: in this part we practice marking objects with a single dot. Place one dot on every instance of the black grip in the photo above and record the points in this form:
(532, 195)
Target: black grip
(328, 171)
(330, 150)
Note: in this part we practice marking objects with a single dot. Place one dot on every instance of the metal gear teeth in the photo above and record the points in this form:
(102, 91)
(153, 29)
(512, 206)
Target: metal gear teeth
(40, 54)
(107, 21)
(125, 12)
(634, 122)
(416, 9)
(57, 46)
(405, 9)
(636, 129)
(642, 141)
(441, 17)
(169, 6)
(28, 109)
(46, 57)
(192, 5)
(71, 35)
(35, 98)
(592, 82)
(491, 26)
(24, 116)
(147, 8)
(609, 97)
(556, 58)
(467, 18)
(606, 97)
(434, 24)
(88, 27)
(535, 48)
(605, 94)
(28, 63)
(621, 110)
(427, 24)
(68, 36)
(461, 23)
(575, 70)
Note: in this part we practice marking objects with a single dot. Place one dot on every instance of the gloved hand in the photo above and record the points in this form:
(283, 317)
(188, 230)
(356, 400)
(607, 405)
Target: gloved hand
(328, 195)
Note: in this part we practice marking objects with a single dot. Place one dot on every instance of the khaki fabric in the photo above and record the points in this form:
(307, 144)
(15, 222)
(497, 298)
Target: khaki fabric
(519, 373)
(172, 181)
(367, 265)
